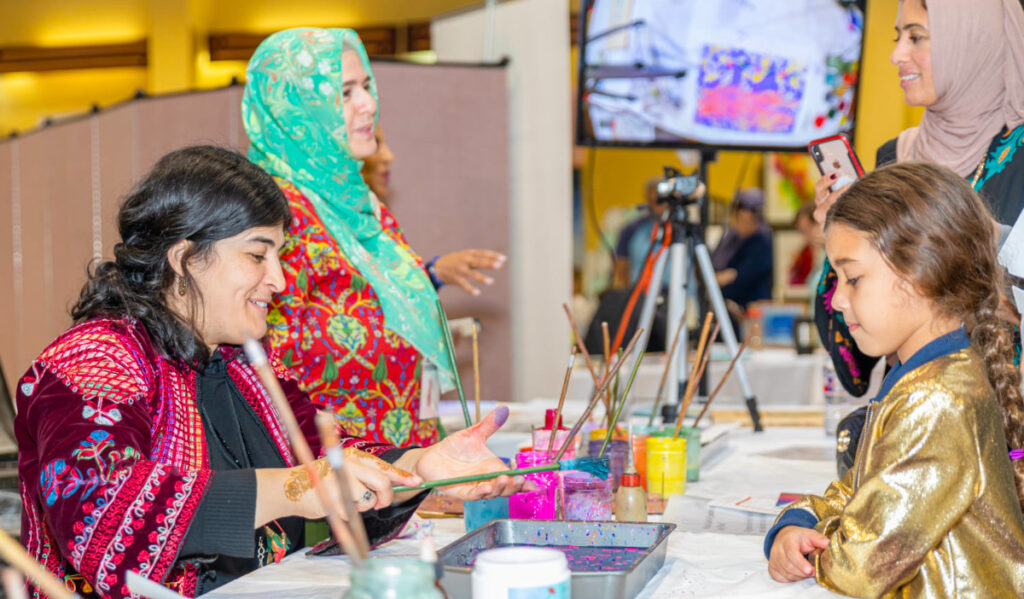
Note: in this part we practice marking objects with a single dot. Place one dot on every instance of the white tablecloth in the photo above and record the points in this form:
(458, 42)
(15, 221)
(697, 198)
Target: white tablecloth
(712, 553)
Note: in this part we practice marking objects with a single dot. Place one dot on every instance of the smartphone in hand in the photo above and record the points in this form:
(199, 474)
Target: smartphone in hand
(835, 155)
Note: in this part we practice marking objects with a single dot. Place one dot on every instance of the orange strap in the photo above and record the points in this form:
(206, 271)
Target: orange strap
(643, 282)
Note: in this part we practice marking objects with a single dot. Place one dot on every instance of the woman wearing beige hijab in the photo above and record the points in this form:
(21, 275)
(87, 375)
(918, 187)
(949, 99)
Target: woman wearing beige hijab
(964, 62)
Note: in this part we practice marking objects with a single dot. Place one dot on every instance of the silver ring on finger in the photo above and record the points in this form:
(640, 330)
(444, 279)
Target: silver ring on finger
(368, 497)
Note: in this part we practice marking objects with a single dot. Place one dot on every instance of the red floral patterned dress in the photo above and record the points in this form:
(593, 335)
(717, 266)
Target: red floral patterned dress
(328, 327)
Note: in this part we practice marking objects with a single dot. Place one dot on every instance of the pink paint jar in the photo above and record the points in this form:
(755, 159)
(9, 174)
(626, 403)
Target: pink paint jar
(588, 497)
(546, 501)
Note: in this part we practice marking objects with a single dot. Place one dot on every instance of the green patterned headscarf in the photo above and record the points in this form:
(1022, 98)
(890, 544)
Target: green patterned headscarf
(292, 109)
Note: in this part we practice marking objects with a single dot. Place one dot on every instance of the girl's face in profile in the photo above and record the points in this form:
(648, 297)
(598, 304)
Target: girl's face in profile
(913, 54)
(883, 311)
(358, 105)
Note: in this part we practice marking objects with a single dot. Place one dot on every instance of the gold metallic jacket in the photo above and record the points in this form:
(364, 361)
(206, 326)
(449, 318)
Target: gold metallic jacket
(929, 508)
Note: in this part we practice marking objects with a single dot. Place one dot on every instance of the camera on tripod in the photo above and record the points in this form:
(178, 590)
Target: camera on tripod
(677, 188)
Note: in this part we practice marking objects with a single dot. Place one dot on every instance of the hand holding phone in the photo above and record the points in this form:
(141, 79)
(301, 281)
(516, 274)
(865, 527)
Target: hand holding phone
(835, 155)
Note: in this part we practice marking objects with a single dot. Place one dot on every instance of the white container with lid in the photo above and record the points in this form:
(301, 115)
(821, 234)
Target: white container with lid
(521, 573)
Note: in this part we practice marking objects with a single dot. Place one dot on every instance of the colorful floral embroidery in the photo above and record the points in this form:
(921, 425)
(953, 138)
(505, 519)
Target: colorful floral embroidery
(329, 328)
(1001, 155)
(121, 496)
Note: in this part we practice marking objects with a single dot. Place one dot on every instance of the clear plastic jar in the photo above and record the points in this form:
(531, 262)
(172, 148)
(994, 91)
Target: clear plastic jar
(393, 578)
(544, 503)
(616, 454)
(588, 497)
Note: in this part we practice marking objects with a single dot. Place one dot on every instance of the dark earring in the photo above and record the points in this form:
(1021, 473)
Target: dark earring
(182, 289)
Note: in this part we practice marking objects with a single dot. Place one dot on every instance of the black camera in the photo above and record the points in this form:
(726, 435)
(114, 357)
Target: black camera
(678, 188)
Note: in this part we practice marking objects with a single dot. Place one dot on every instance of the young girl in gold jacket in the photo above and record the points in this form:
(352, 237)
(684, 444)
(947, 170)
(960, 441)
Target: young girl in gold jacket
(932, 506)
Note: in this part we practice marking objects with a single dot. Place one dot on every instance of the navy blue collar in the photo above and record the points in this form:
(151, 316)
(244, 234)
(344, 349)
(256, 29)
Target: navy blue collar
(950, 342)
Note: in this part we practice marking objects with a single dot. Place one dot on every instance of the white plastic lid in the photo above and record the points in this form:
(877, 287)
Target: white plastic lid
(533, 565)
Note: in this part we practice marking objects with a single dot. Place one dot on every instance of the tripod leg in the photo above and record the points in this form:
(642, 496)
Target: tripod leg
(718, 304)
(678, 278)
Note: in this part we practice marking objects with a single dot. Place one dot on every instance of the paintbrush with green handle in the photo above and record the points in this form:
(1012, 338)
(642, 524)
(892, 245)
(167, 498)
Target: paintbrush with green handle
(605, 382)
(594, 466)
(450, 347)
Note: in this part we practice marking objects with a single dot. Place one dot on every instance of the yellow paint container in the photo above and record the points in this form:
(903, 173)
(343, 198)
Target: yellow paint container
(666, 466)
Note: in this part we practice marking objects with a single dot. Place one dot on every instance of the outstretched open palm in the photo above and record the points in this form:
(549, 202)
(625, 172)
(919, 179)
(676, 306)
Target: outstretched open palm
(464, 453)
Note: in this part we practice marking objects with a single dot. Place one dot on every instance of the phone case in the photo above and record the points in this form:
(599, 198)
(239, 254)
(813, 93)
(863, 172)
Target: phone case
(835, 154)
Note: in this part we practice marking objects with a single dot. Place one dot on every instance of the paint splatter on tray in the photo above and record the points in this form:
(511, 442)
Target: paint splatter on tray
(586, 559)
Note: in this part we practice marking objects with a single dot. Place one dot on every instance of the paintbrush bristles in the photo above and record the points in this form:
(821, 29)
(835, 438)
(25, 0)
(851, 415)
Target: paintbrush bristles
(599, 466)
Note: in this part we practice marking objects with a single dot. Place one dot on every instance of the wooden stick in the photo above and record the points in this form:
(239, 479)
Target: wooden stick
(450, 346)
(690, 384)
(561, 398)
(476, 370)
(668, 366)
(15, 555)
(607, 364)
(700, 371)
(596, 396)
(613, 422)
(583, 348)
(327, 426)
(725, 377)
(258, 360)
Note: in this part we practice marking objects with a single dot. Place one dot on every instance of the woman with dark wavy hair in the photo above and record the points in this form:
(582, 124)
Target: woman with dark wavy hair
(146, 442)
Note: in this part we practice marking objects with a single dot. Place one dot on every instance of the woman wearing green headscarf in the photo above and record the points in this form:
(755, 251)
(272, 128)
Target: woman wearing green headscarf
(357, 321)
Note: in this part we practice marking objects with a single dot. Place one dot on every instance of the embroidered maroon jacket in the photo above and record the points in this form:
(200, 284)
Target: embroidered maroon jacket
(113, 462)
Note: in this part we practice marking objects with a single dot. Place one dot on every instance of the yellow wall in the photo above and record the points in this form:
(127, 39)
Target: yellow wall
(177, 32)
(179, 60)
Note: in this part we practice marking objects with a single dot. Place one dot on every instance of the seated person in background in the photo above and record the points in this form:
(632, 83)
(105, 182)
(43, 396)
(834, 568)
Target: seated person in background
(803, 263)
(743, 258)
(932, 505)
(809, 266)
(635, 240)
(146, 440)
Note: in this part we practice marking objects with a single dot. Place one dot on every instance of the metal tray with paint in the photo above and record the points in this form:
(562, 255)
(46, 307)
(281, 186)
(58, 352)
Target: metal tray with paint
(607, 559)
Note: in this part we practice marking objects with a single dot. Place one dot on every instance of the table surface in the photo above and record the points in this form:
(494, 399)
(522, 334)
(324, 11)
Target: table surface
(713, 552)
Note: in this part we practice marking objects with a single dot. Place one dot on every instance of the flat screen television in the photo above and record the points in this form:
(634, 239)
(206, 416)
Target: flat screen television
(722, 74)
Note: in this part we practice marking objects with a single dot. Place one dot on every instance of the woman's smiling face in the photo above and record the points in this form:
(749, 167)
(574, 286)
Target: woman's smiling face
(913, 54)
(358, 106)
(235, 283)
